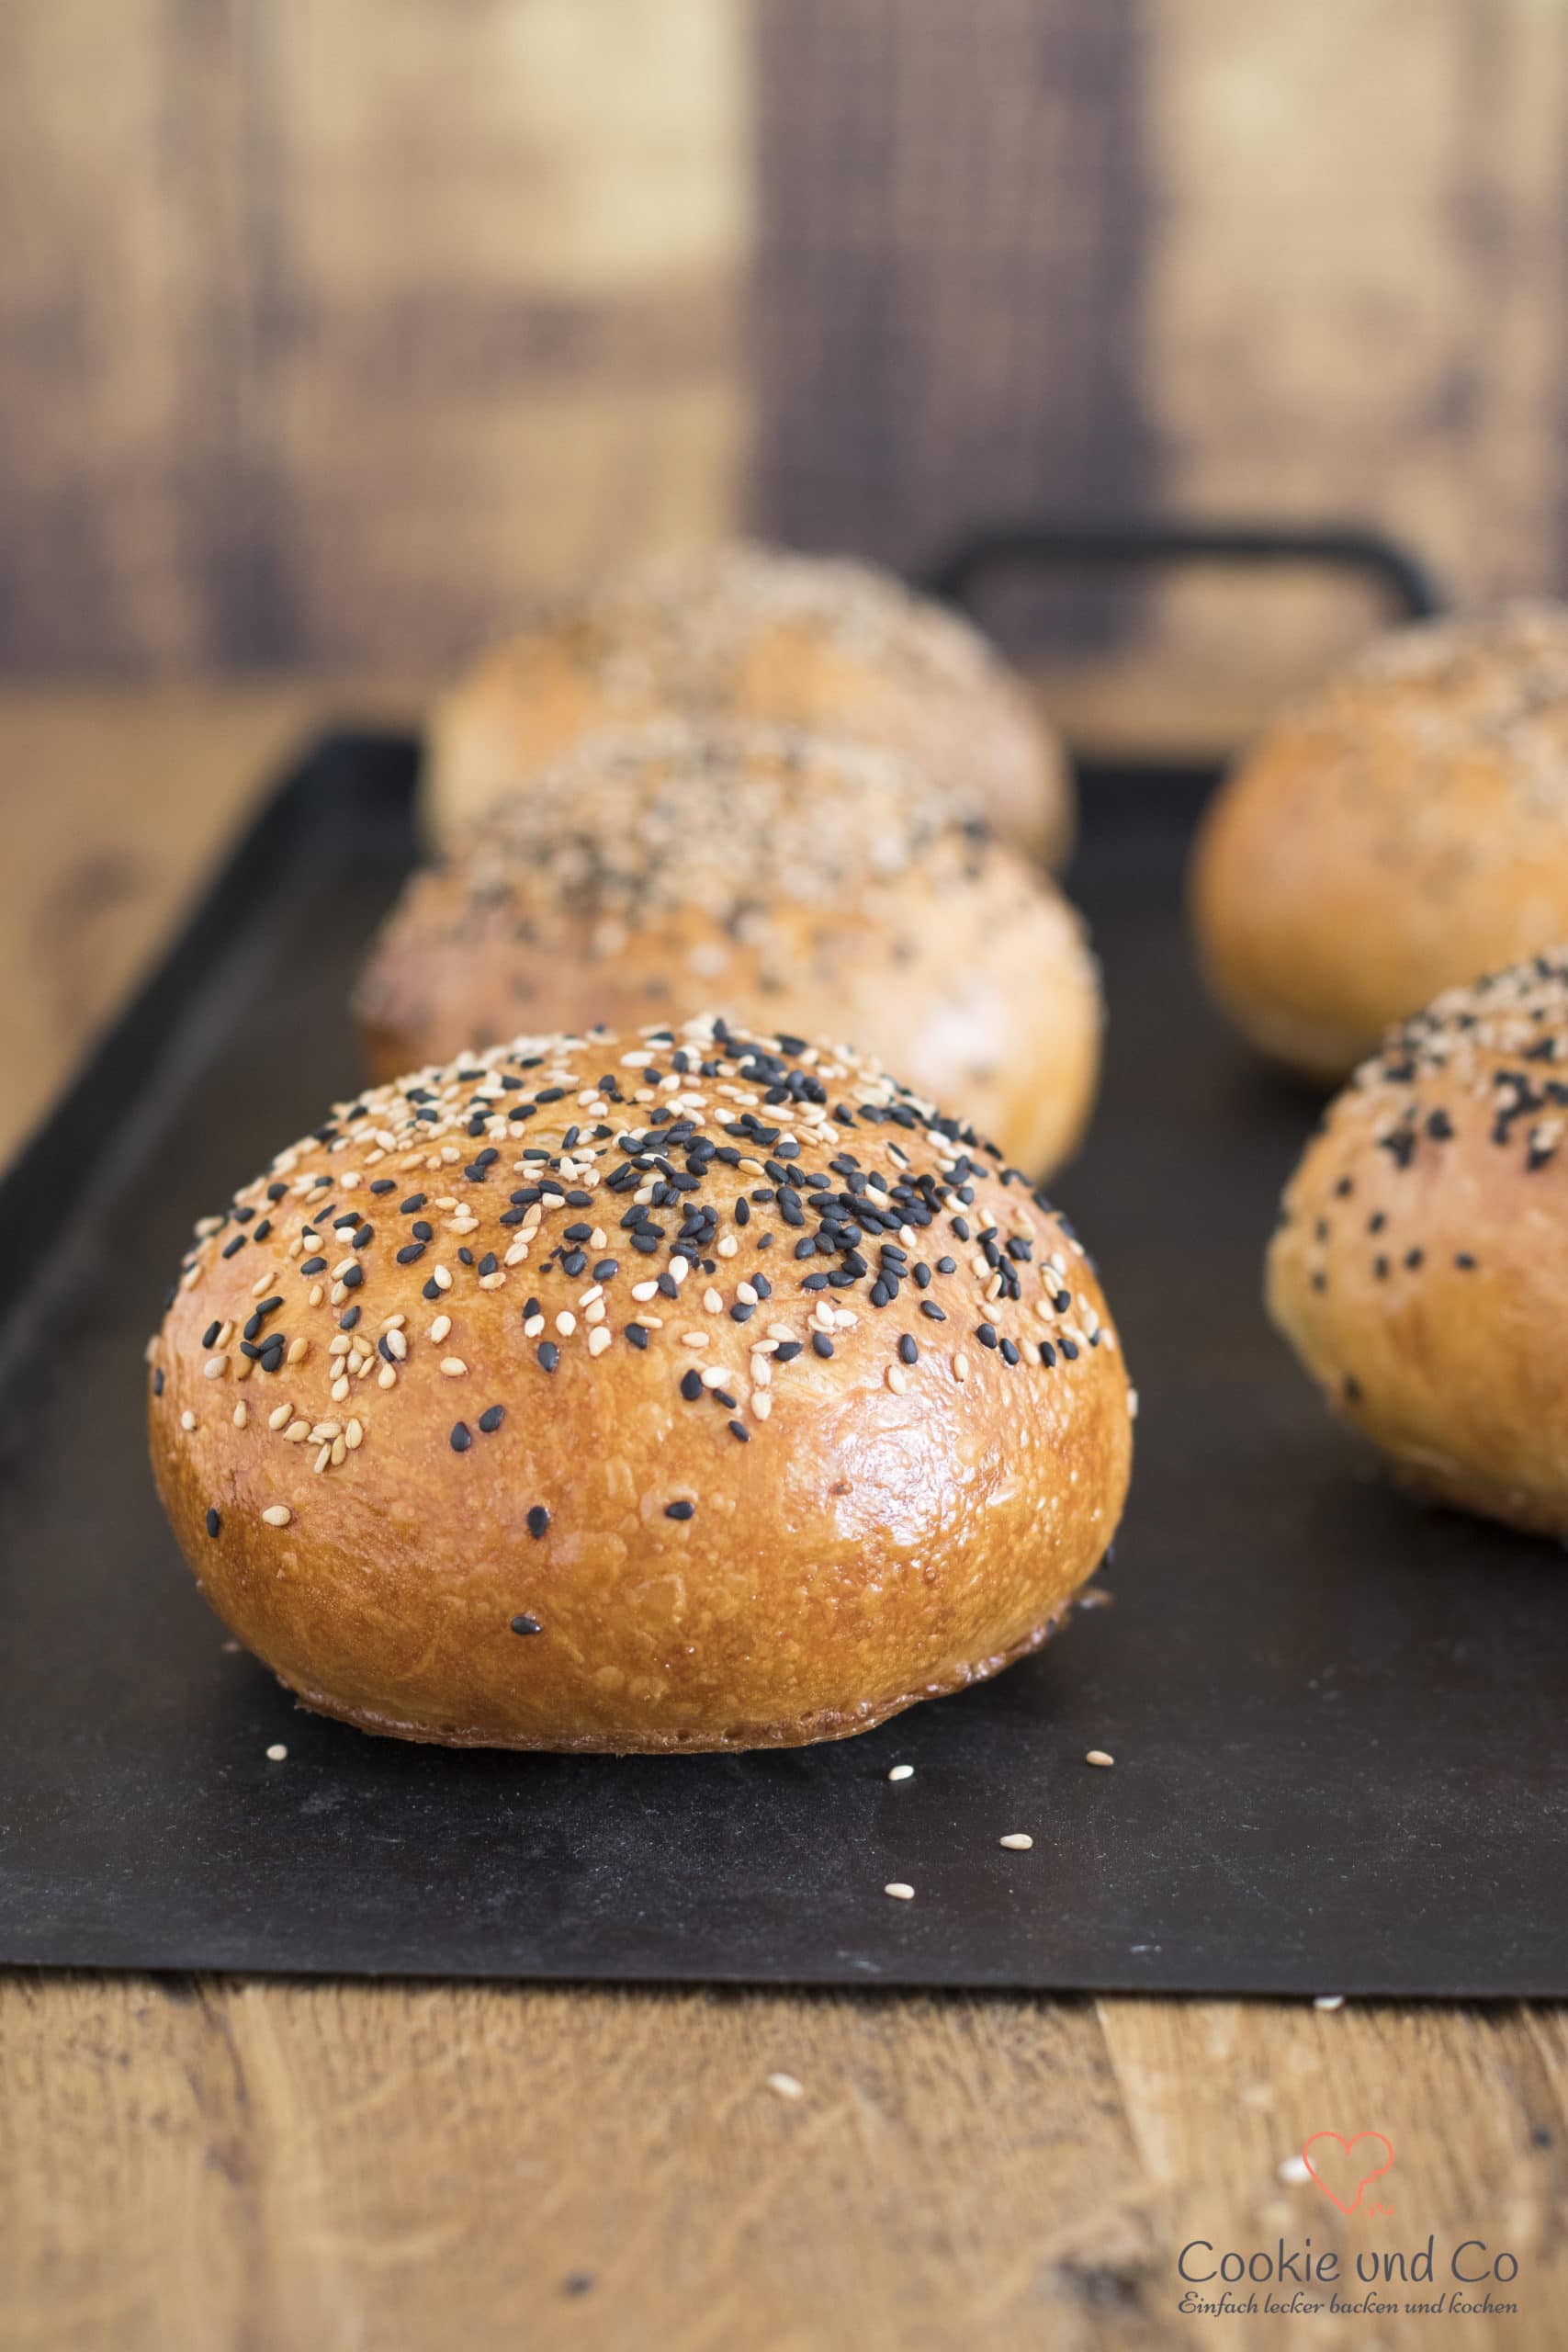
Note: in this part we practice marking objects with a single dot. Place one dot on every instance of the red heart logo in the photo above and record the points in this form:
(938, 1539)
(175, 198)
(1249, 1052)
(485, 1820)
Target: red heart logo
(1345, 2171)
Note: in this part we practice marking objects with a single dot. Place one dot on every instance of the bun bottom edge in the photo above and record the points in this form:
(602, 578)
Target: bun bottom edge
(804, 1731)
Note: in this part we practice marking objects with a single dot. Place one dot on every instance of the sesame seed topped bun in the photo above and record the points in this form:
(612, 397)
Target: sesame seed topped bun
(831, 888)
(1402, 829)
(1421, 1271)
(747, 633)
(672, 1389)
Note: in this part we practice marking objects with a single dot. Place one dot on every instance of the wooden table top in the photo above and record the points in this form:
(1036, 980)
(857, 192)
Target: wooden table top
(235, 2165)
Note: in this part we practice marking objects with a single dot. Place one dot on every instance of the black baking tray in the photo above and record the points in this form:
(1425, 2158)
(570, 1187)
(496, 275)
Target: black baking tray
(1338, 1718)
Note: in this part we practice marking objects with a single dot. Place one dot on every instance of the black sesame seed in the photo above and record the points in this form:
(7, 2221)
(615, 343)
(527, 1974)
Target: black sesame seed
(410, 1253)
(679, 1510)
(537, 1521)
(491, 1418)
(907, 1350)
(214, 1521)
(550, 1354)
(525, 1626)
(928, 1307)
(462, 1437)
(691, 1385)
(822, 1343)
(158, 1382)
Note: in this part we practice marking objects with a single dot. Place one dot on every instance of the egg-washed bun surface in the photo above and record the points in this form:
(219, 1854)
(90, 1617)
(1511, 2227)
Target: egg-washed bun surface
(1421, 1272)
(672, 1391)
(828, 888)
(742, 631)
(1398, 833)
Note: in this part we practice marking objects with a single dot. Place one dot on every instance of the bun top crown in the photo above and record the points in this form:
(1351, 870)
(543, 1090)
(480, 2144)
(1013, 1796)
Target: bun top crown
(684, 620)
(722, 820)
(748, 633)
(1501, 1038)
(1486, 692)
(728, 1212)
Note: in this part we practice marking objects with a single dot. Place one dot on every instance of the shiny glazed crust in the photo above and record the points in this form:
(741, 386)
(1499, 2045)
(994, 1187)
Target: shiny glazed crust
(828, 888)
(1421, 1271)
(746, 632)
(1399, 832)
(603, 1458)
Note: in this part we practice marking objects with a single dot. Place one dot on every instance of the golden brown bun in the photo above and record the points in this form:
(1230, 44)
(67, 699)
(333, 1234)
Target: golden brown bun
(1404, 830)
(1421, 1272)
(864, 1529)
(746, 632)
(825, 889)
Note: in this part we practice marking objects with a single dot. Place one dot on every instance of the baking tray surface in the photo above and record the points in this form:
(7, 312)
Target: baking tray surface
(1338, 1717)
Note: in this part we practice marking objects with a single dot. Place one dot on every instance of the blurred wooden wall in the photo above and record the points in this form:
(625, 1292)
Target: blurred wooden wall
(333, 330)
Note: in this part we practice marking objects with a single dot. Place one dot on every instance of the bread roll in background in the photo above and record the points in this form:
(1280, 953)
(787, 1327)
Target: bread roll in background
(637, 1392)
(747, 633)
(1399, 831)
(828, 888)
(1421, 1272)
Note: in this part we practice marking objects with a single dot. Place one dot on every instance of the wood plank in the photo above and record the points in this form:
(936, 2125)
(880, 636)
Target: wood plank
(508, 249)
(1348, 311)
(231, 2163)
(120, 803)
(236, 2164)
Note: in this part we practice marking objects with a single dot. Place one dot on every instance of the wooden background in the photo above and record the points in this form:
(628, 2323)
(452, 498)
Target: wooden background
(332, 333)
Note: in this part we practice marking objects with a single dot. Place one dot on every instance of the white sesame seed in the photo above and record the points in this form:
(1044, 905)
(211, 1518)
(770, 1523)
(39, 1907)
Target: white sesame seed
(785, 2086)
(716, 1377)
(241, 1415)
(280, 1418)
(296, 1351)
(896, 1380)
(215, 1367)
(353, 1435)
(599, 1340)
(642, 1291)
(454, 1367)
(899, 1890)
(1295, 2171)
(396, 1345)
(386, 1378)
(1098, 1756)
(566, 1323)
(440, 1328)
(961, 1366)
(187, 1420)
(277, 1753)
(1017, 1842)
(1329, 2001)
(902, 1772)
(278, 1515)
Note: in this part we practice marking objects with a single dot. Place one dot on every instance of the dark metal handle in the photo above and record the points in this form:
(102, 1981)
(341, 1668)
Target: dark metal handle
(1118, 546)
